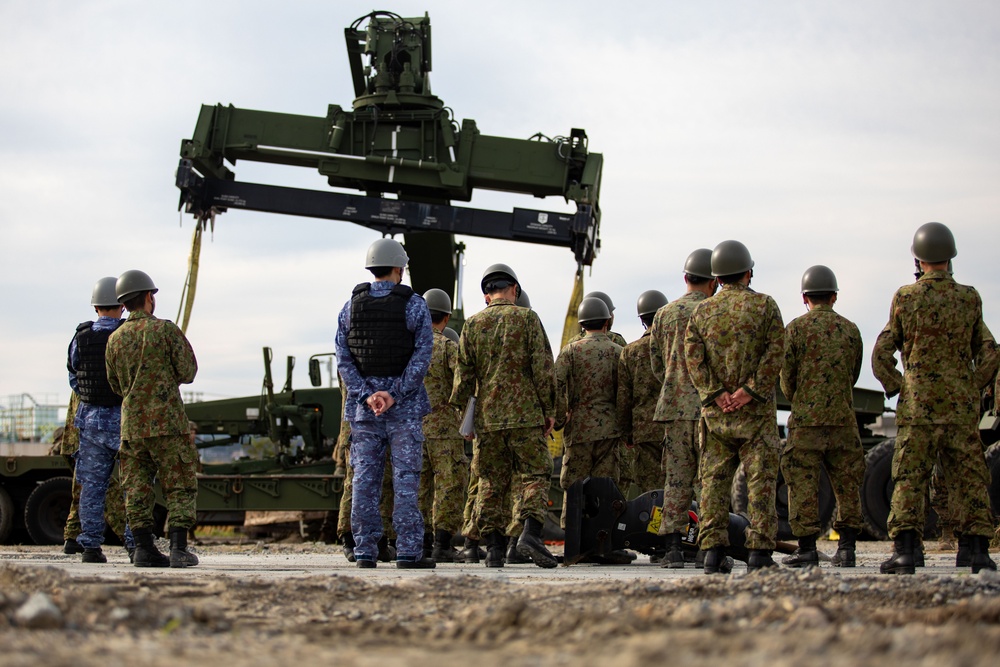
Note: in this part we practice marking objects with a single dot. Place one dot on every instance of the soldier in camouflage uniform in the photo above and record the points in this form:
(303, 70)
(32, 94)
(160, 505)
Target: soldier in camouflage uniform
(445, 475)
(615, 337)
(586, 400)
(735, 344)
(69, 444)
(384, 343)
(638, 391)
(948, 356)
(147, 360)
(678, 406)
(823, 355)
(505, 363)
(98, 420)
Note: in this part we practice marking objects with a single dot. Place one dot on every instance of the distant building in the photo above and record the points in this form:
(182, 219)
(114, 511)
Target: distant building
(25, 419)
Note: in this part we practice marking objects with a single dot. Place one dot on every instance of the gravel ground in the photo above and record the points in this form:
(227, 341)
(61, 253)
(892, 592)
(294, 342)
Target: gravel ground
(259, 604)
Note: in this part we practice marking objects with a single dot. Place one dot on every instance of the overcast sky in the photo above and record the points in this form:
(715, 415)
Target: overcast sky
(816, 133)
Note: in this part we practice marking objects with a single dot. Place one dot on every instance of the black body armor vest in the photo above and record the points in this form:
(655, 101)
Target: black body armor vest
(379, 340)
(92, 374)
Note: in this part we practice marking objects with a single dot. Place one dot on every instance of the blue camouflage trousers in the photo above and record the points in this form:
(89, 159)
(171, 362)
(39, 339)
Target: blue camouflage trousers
(404, 440)
(95, 461)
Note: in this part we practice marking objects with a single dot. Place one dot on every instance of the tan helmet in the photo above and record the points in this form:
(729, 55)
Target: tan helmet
(438, 301)
(386, 252)
(933, 243)
(104, 295)
(819, 278)
(730, 258)
(699, 263)
(131, 283)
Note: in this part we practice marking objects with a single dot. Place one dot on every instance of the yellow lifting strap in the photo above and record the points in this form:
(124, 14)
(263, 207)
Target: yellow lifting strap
(571, 327)
(191, 281)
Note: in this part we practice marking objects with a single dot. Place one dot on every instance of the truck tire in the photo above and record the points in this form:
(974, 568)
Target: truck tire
(827, 502)
(876, 492)
(993, 467)
(6, 515)
(46, 510)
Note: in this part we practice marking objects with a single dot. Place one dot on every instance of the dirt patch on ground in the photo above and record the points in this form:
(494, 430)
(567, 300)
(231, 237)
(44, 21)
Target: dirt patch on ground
(776, 618)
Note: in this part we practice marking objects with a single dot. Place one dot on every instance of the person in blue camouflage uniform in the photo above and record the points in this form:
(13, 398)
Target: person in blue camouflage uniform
(384, 344)
(98, 419)
(678, 406)
(505, 363)
(445, 475)
(147, 360)
(735, 345)
(948, 356)
(823, 357)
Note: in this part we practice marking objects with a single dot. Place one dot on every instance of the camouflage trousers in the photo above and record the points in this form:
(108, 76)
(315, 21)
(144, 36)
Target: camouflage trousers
(443, 481)
(597, 458)
(838, 450)
(94, 468)
(680, 466)
(385, 506)
(114, 509)
(628, 461)
(961, 455)
(470, 522)
(513, 467)
(403, 440)
(648, 466)
(171, 459)
(728, 442)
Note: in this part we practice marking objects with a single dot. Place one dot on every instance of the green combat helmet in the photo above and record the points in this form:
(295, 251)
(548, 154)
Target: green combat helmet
(603, 297)
(592, 309)
(386, 252)
(522, 300)
(933, 243)
(819, 278)
(450, 333)
(699, 263)
(438, 301)
(104, 295)
(131, 283)
(497, 277)
(650, 301)
(730, 258)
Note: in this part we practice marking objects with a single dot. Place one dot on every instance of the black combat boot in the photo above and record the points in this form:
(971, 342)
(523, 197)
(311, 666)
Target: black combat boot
(760, 559)
(442, 552)
(717, 562)
(146, 553)
(347, 540)
(918, 550)
(981, 554)
(496, 544)
(415, 564)
(95, 555)
(386, 552)
(471, 553)
(806, 555)
(963, 557)
(179, 554)
(512, 557)
(901, 561)
(846, 547)
(674, 557)
(428, 545)
(72, 547)
(530, 544)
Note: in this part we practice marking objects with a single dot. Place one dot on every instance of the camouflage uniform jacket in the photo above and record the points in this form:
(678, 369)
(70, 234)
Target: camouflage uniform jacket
(614, 336)
(586, 386)
(505, 362)
(823, 354)
(947, 351)
(443, 420)
(147, 360)
(678, 399)
(734, 340)
(638, 390)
